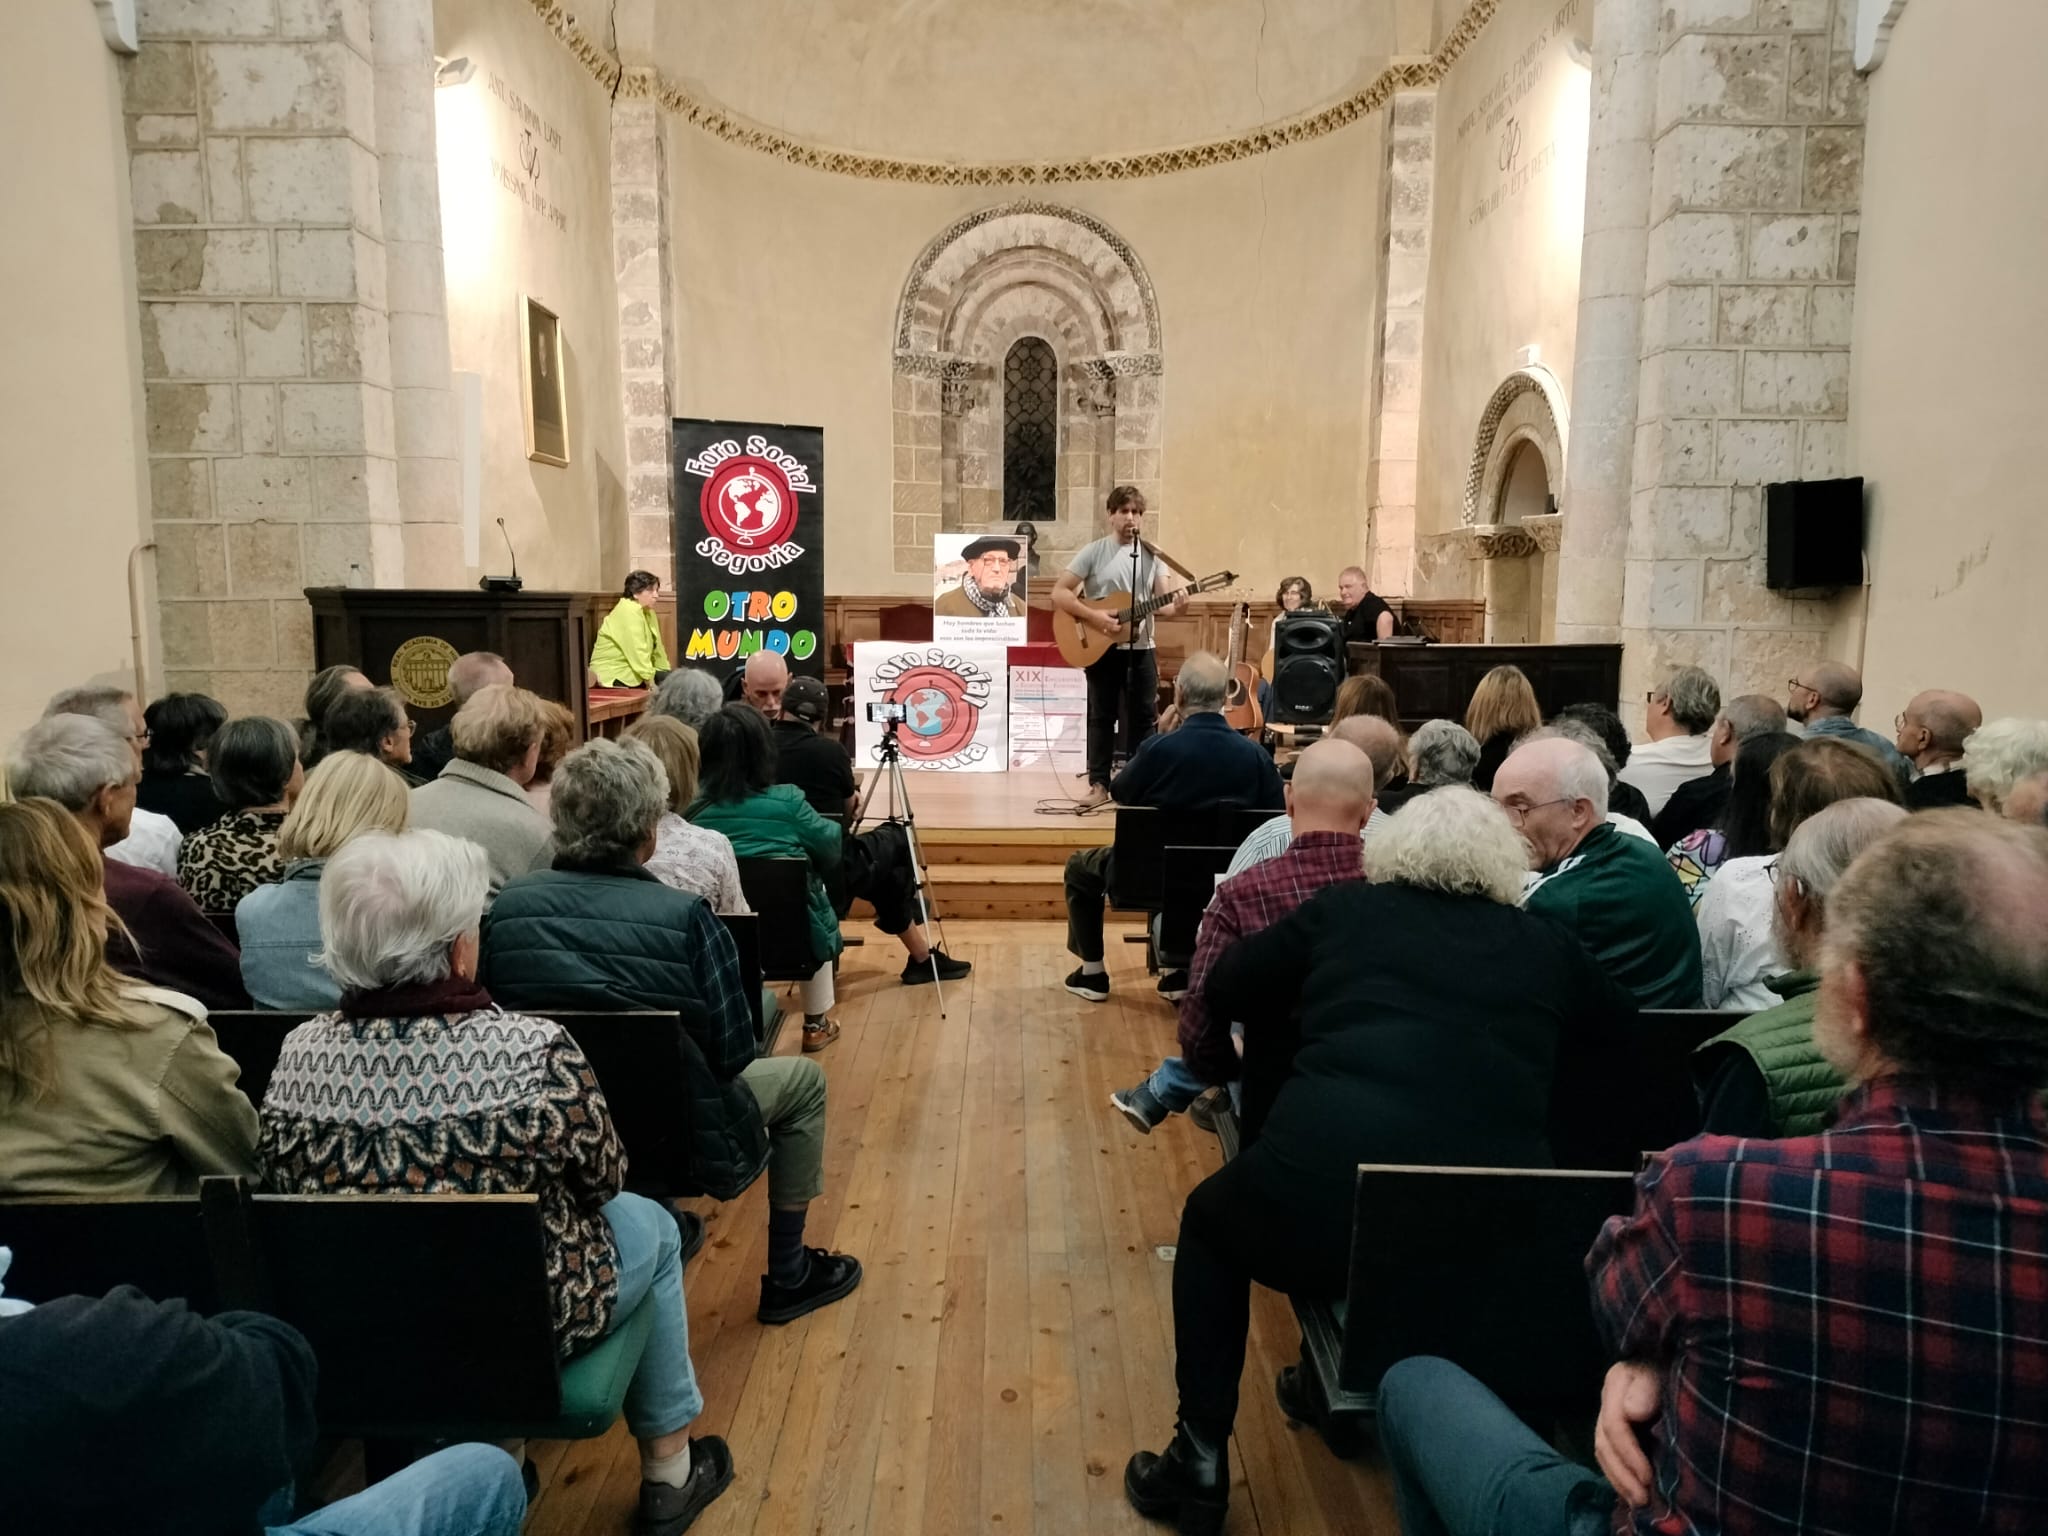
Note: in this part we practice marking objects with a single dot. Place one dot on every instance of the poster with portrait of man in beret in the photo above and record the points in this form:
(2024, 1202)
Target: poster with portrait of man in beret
(978, 587)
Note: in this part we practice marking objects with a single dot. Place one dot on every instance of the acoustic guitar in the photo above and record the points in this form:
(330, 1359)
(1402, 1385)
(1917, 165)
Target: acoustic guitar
(1241, 711)
(1082, 645)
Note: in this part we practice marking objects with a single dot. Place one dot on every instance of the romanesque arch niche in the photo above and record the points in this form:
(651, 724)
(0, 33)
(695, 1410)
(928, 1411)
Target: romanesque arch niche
(1512, 491)
(1035, 272)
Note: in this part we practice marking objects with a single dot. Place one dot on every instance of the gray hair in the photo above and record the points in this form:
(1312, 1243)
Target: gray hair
(392, 905)
(1751, 715)
(251, 761)
(1201, 684)
(1695, 699)
(106, 705)
(1578, 773)
(1584, 735)
(1998, 755)
(606, 799)
(1443, 752)
(689, 696)
(1454, 840)
(473, 671)
(1823, 846)
(69, 758)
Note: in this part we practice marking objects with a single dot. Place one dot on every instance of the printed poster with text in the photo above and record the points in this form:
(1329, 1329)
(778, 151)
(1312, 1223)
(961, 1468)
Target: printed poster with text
(951, 699)
(978, 587)
(1049, 718)
(749, 543)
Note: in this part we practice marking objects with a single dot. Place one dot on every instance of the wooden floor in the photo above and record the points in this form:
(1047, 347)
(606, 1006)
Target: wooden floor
(1011, 1343)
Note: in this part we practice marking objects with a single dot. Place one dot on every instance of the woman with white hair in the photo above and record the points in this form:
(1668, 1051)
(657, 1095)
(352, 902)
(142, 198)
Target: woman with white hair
(1431, 1010)
(516, 1109)
(1999, 754)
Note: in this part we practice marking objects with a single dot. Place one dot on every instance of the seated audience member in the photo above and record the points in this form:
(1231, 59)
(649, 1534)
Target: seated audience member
(1367, 616)
(1503, 710)
(114, 1406)
(687, 858)
(516, 1109)
(1380, 742)
(1200, 764)
(1823, 699)
(255, 770)
(1676, 718)
(329, 687)
(279, 925)
(1882, 1368)
(689, 695)
(557, 740)
(2027, 802)
(1931, 731)
(1743, 828)
(372, 721)
(598, 931)
(1737, 949)
(806, 753)
(468, 675)
(175, 782)
(738, 798)
(1766, 1077)
(1441, 752)
(1329, 799)
(107, 1087)
(1617, 752)
(1697, 803)
(1997, 756)
(151, 841)
(481, 794)
(628, 652)
(1610, 890)
(1433, 1043)
(1370, 694)
(162, 937)
(1572, 727)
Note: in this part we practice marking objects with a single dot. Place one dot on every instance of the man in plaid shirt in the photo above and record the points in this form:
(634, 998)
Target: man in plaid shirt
(1328, 801)
(1837, 1333)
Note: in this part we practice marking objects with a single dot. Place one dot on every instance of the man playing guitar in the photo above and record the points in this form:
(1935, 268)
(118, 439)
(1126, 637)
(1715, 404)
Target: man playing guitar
(1125, 682)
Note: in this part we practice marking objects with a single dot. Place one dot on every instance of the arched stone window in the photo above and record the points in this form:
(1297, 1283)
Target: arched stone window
(1031, 431)
(1511, 492)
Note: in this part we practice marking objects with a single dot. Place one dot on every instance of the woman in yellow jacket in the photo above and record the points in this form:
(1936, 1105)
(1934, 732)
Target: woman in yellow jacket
(629, 652)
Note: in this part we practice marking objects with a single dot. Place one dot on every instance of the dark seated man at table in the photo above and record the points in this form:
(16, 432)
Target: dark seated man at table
(1200, 764)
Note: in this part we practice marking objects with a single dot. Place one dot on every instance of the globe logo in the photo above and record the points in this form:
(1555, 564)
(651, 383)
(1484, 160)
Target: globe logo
(928, 711)
(749, 506)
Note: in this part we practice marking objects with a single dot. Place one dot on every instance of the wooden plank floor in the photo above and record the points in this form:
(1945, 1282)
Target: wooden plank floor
(1011, 1342)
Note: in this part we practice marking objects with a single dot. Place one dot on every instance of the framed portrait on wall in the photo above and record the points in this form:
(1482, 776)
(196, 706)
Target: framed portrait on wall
(547, 388)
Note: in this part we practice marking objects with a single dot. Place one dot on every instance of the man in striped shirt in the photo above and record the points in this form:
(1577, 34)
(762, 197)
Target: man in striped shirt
(1845, 1332)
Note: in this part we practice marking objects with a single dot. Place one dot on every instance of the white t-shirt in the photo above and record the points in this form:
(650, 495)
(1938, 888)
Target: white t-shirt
(1657, 768)
(1105, 567)
(1738, 947)
(152, 842)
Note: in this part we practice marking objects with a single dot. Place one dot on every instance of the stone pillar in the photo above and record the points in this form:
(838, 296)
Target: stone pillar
(1756, 181)
(423, 392)
(640, 252)
(1607, 360)
(1406, 203)
(266, 356)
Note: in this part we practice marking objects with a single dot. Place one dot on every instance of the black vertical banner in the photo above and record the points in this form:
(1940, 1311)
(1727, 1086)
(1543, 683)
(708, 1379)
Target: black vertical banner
(749, 544)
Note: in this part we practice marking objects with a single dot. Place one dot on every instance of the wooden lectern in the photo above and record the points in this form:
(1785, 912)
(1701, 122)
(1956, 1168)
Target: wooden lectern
(1435, 682)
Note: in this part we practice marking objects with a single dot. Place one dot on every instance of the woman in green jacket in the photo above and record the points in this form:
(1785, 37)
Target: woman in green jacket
(738, 796)
(629, 652)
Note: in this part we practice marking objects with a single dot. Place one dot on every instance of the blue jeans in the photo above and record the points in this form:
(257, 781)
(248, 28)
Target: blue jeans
(1174, 1086)
(1464, 1465)
(465, 1490)
(663, 1395)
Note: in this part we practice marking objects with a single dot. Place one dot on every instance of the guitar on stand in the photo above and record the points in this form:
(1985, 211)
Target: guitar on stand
(1082, 645)
(1241, 711)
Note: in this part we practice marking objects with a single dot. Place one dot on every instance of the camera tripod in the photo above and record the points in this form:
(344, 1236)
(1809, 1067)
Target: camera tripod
(891, 769)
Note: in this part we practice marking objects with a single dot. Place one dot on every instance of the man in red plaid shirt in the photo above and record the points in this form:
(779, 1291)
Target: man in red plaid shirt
(1842, 1333)
(1328, 801)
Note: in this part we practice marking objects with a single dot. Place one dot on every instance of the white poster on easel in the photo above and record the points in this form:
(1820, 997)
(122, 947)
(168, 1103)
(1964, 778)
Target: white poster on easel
(951, 703)
(979, 587)
(1049, 718)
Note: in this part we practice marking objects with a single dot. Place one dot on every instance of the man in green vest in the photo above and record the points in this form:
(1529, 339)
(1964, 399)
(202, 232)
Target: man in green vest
(1766, 1078)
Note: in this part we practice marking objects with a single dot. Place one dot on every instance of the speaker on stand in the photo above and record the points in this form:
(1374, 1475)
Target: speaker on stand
(1308, 667)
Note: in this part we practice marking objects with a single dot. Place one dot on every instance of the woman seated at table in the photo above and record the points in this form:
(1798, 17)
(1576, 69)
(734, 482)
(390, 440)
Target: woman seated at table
(628, 652)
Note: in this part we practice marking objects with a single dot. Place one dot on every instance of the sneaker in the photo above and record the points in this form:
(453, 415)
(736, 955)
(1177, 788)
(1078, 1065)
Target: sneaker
(917, 973)
(1095, 988)
(1203, 1111)
(1138, 1106)
(1097, 795)
(1173, 986)
(832, 1275)
(818, 1034)
(691, 1227)
(666, 1510)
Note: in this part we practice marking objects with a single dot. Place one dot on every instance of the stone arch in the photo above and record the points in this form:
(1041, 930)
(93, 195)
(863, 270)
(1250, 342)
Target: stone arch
(1527, 407)
(1526, 413)
(1023, 268)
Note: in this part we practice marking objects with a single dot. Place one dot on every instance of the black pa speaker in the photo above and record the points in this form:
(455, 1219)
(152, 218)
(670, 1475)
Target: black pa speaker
(1308, 664)
(1814, 534)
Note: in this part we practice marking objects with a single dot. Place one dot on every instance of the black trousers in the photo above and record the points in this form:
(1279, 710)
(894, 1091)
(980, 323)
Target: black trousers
(1122, 687)
(877, 867)
(1246, 1222)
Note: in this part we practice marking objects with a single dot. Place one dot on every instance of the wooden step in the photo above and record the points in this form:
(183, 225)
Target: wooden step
(1014, 845)
(991, 890)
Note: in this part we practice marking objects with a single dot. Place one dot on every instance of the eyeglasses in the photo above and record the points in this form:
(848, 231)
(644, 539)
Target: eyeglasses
(1802, 687)
(140, 738)
(1518, 810)
(1779, 876)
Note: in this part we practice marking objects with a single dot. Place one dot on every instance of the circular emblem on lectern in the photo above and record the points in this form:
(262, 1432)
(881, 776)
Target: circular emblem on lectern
(419, 671)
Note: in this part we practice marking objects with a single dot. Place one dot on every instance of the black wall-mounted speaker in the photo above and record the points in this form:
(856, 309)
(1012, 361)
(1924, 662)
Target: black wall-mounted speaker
(1814, 534)
(1308, 664)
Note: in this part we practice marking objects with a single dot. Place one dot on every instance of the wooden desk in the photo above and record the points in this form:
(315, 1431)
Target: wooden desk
(1435, 682)
(611, 710)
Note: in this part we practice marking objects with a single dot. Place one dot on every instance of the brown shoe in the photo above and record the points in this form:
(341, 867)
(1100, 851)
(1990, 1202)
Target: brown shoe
(1097, 796)
(819, 1035)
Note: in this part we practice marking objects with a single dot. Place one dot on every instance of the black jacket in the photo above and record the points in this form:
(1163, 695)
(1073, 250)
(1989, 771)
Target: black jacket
(814, 763)
(430, 754)
(1934, 791)
(1202, 764)
(187, 798)
(1694, 804)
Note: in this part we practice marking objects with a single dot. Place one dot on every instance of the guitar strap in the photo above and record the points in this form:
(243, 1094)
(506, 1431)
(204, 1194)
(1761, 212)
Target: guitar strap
(1170, 563)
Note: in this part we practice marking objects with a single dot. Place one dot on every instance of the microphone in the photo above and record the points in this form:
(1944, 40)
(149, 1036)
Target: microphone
(510, 583)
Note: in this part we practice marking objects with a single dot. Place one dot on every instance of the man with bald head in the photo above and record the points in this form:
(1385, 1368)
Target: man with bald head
(1699, 802)
(468, 675)
(1382, 746)
(1615, 892)
(1328, 802)
(1932, 729)
(1823, 699)
(762, 682)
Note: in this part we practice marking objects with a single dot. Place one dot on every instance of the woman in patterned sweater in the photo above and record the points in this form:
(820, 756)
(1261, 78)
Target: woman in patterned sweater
(256, 774)
(421, 1083)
